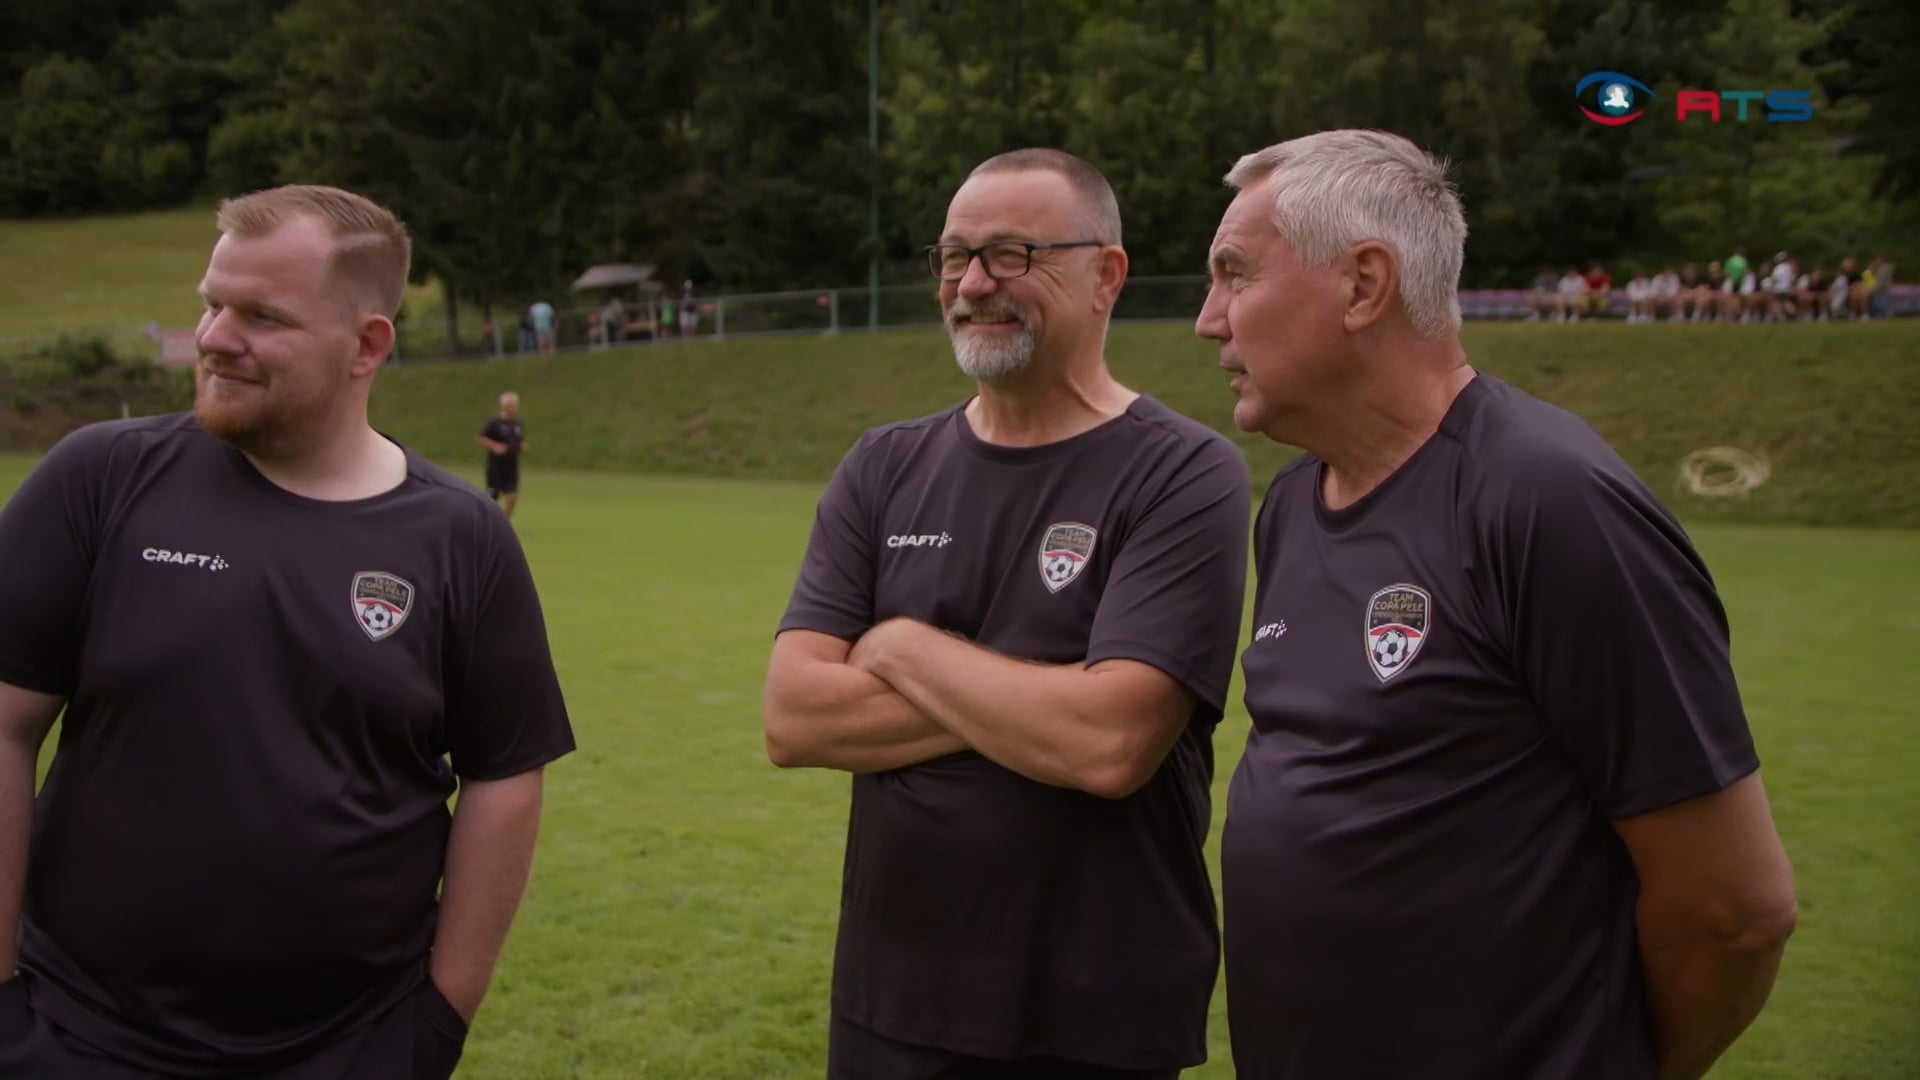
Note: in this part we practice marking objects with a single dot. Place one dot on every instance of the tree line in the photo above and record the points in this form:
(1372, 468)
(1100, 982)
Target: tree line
(728, 140)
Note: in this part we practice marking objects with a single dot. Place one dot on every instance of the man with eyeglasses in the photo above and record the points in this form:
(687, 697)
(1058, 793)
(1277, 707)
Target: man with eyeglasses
(1015, 623)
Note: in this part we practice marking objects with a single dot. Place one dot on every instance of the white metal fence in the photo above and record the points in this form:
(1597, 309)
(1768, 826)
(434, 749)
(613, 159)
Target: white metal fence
(798, 312)
(806, 311)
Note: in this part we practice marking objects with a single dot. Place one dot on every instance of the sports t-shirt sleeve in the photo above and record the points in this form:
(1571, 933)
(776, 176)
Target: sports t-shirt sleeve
(834, 592)
(1177, 587)
(1620, 636)
(505, 711)
(48, 536)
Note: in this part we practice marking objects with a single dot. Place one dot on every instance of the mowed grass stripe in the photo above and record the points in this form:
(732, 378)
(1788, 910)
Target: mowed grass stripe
(680, 920)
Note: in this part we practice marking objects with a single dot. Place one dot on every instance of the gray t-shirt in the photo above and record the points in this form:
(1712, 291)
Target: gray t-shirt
(1455, 684)
(983, 912)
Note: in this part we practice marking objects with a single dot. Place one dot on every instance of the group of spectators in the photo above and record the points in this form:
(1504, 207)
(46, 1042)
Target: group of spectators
(1734, 290)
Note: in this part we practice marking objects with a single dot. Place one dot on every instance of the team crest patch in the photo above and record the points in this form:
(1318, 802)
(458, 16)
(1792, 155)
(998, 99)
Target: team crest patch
(1397, 621)
(380, 602)
(1064, 552)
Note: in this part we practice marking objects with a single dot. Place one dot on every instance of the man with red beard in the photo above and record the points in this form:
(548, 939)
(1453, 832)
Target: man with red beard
(1015, 625)
(1500, 813)
(281, 641)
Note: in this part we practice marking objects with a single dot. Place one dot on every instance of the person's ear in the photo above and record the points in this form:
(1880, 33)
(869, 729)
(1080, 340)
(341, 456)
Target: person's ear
(375, 345)
(1112, 273)
(1371, 279)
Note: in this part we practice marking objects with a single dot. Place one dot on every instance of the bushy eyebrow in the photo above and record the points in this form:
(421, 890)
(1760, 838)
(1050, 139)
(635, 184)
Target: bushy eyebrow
(1225, 261)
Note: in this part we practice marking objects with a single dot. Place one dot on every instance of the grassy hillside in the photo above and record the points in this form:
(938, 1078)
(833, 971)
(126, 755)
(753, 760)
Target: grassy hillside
(1830, 407)
(102, 273)
(116, 272)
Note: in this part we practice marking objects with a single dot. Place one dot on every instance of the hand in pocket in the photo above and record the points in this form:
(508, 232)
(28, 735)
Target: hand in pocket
(440, 1034)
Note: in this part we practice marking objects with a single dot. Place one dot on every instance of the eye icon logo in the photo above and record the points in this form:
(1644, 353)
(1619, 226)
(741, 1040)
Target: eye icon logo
(1617, 99)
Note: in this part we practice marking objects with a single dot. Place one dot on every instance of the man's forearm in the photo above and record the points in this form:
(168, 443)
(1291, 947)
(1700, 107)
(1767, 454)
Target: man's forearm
(1088, 740)
(1702, 992)
(831, 715)
(489, 857)
(17, 765)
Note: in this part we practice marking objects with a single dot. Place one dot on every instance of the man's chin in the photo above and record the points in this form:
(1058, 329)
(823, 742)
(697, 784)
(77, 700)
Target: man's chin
(240, 425)
(986, 359)
(990, 367)
(1249, 417)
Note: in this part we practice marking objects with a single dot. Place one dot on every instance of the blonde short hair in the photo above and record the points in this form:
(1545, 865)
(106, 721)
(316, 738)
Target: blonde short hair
(1335, 189)
(372, 250)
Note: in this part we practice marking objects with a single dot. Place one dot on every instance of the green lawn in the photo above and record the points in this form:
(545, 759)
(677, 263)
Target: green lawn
(103, 273)
(113, 272)
(680, 919)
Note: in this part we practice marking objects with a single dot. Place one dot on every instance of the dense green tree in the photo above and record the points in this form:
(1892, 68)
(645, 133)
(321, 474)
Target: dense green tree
(727, 140)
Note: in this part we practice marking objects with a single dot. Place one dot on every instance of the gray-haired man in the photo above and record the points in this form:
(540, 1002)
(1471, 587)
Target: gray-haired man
(1499, 812)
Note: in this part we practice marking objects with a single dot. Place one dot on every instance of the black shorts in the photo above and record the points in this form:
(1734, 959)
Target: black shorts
(420, 1038)
(856, 1053)
(502, 480)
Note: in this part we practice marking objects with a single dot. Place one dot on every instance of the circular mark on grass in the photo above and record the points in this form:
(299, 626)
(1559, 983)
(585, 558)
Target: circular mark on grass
(1719, 472)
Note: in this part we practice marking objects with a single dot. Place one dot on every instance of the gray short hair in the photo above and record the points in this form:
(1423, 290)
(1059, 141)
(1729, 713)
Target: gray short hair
(1335, 189)
(1099, 210)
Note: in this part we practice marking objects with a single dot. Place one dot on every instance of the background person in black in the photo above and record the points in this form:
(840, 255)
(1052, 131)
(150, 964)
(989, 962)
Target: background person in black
(505, 439)
(1015, 623)
(1499, 814)
(271, 628)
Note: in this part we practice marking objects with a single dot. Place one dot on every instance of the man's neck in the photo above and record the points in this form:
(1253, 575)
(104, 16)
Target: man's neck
(1365, 439)
(1042, 406)
(358, 464)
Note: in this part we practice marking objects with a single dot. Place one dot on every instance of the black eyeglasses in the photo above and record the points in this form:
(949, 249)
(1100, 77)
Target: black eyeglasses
(1002, 259)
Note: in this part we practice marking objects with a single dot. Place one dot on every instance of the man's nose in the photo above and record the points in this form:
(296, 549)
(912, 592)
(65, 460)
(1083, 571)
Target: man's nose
(1212, 323)
(219, 333)
(976, 282)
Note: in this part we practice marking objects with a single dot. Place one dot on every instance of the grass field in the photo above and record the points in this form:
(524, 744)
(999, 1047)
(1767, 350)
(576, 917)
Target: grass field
(113, 272)
(1830, 407)
(102, 273)
(680, 919)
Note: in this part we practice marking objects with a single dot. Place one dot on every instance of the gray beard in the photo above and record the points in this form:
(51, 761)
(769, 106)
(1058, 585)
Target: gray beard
(988, 359)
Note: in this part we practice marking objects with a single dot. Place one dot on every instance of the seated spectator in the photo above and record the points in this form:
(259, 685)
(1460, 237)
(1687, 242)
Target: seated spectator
(1639, 299)
(1665, 294)
(1752, 300)
(1687, 303)
(1599, 290)
(1719, 298)
(1810, 294)
(1840, 296)
(1573, 296)
(1545, 300)
(1780, 285)
(1860, 295)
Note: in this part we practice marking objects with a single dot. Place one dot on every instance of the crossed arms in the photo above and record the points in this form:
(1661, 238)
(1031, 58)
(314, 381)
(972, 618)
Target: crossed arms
(907, 693)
